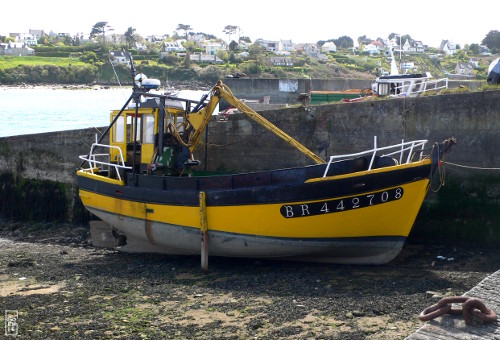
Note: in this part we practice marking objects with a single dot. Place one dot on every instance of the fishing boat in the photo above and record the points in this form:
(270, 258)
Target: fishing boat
(357, 208)
(407, 84)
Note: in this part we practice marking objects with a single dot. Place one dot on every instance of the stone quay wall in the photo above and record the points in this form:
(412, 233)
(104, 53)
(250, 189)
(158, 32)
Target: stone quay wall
(465, 209)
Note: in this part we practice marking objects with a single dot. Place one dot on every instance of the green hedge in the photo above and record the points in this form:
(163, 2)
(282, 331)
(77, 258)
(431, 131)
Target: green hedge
(53, 54)
(49, 74)
(66, 49)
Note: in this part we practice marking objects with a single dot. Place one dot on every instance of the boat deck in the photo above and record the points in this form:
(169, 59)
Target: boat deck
(454, 327)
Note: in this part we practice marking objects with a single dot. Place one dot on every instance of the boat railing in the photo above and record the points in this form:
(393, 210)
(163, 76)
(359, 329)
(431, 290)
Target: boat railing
(415, 87)
(103, 159)
(434, 85)
(405, 150)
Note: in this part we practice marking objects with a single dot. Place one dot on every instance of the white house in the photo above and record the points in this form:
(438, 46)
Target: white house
(448, 47)
(329, 47)
(140, 47)
(474, 62)
(172, 46)
(26, 38)
(406, 46)
(285, 45)
(413, 46)
(211, 47)
(372, 49)
(16, 49)
(155, 38)
(416, 46)
(197, 37)
(118, 57)
(269, 45)
(309, 49)
(484, 50)
(280, 61)
(206, 58)
(37, 33)
(464, 69)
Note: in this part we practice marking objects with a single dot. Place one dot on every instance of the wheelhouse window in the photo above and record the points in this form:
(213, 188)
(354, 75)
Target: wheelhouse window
(119, 135)
(148, 132)
(130, 123)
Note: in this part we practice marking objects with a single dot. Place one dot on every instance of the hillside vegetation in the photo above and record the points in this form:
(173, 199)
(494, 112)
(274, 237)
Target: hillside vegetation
(81, 65)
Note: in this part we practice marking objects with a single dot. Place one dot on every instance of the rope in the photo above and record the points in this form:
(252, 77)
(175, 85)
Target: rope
(441, 171)
(470, 167)
(113, 67)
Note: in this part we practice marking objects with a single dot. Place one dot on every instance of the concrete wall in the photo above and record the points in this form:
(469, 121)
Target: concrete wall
(287, 90)
(466, 209)
(331, 129)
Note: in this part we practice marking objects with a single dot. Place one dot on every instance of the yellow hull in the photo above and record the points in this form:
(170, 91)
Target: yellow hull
(394, 218)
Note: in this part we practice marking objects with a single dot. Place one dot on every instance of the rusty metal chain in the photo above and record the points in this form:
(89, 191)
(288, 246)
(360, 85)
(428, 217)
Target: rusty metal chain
(471, 307)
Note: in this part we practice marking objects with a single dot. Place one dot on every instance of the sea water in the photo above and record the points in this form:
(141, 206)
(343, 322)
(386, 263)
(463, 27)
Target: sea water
(37, 110)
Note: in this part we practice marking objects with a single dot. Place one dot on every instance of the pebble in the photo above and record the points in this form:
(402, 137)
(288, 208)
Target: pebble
(358, 313)
(433, 295)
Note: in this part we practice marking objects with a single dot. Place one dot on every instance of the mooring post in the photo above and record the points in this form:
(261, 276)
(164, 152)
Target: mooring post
(204, 232)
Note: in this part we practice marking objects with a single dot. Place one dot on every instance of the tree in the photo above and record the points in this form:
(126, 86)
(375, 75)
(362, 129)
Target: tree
(256, 51)
(246, 39)
(101, 27)
(130, 37)
(344, 42)
(189, 46)
(364, 40)
(89, 57)
(221, 54)
(474, 48)
(233, 45)
(185, 28)
(492, 40)
(229, 30)
(186, 63)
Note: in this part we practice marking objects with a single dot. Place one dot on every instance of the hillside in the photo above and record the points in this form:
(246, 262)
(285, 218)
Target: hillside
(86, 67)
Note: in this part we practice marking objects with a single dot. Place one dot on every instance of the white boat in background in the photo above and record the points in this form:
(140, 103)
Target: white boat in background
(409, 85)
(406, 85)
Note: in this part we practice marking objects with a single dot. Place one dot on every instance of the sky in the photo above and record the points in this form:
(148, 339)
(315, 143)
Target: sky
(429, 21)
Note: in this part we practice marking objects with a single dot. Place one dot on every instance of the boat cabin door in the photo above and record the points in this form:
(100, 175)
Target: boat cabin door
(122, 137)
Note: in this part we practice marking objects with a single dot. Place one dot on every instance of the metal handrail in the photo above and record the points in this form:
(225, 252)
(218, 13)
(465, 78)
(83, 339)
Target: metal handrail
(402, 148)
(407, 86)
(91, 158)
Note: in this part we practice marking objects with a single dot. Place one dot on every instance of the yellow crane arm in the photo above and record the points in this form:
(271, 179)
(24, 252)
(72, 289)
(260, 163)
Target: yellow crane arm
(199, 120)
